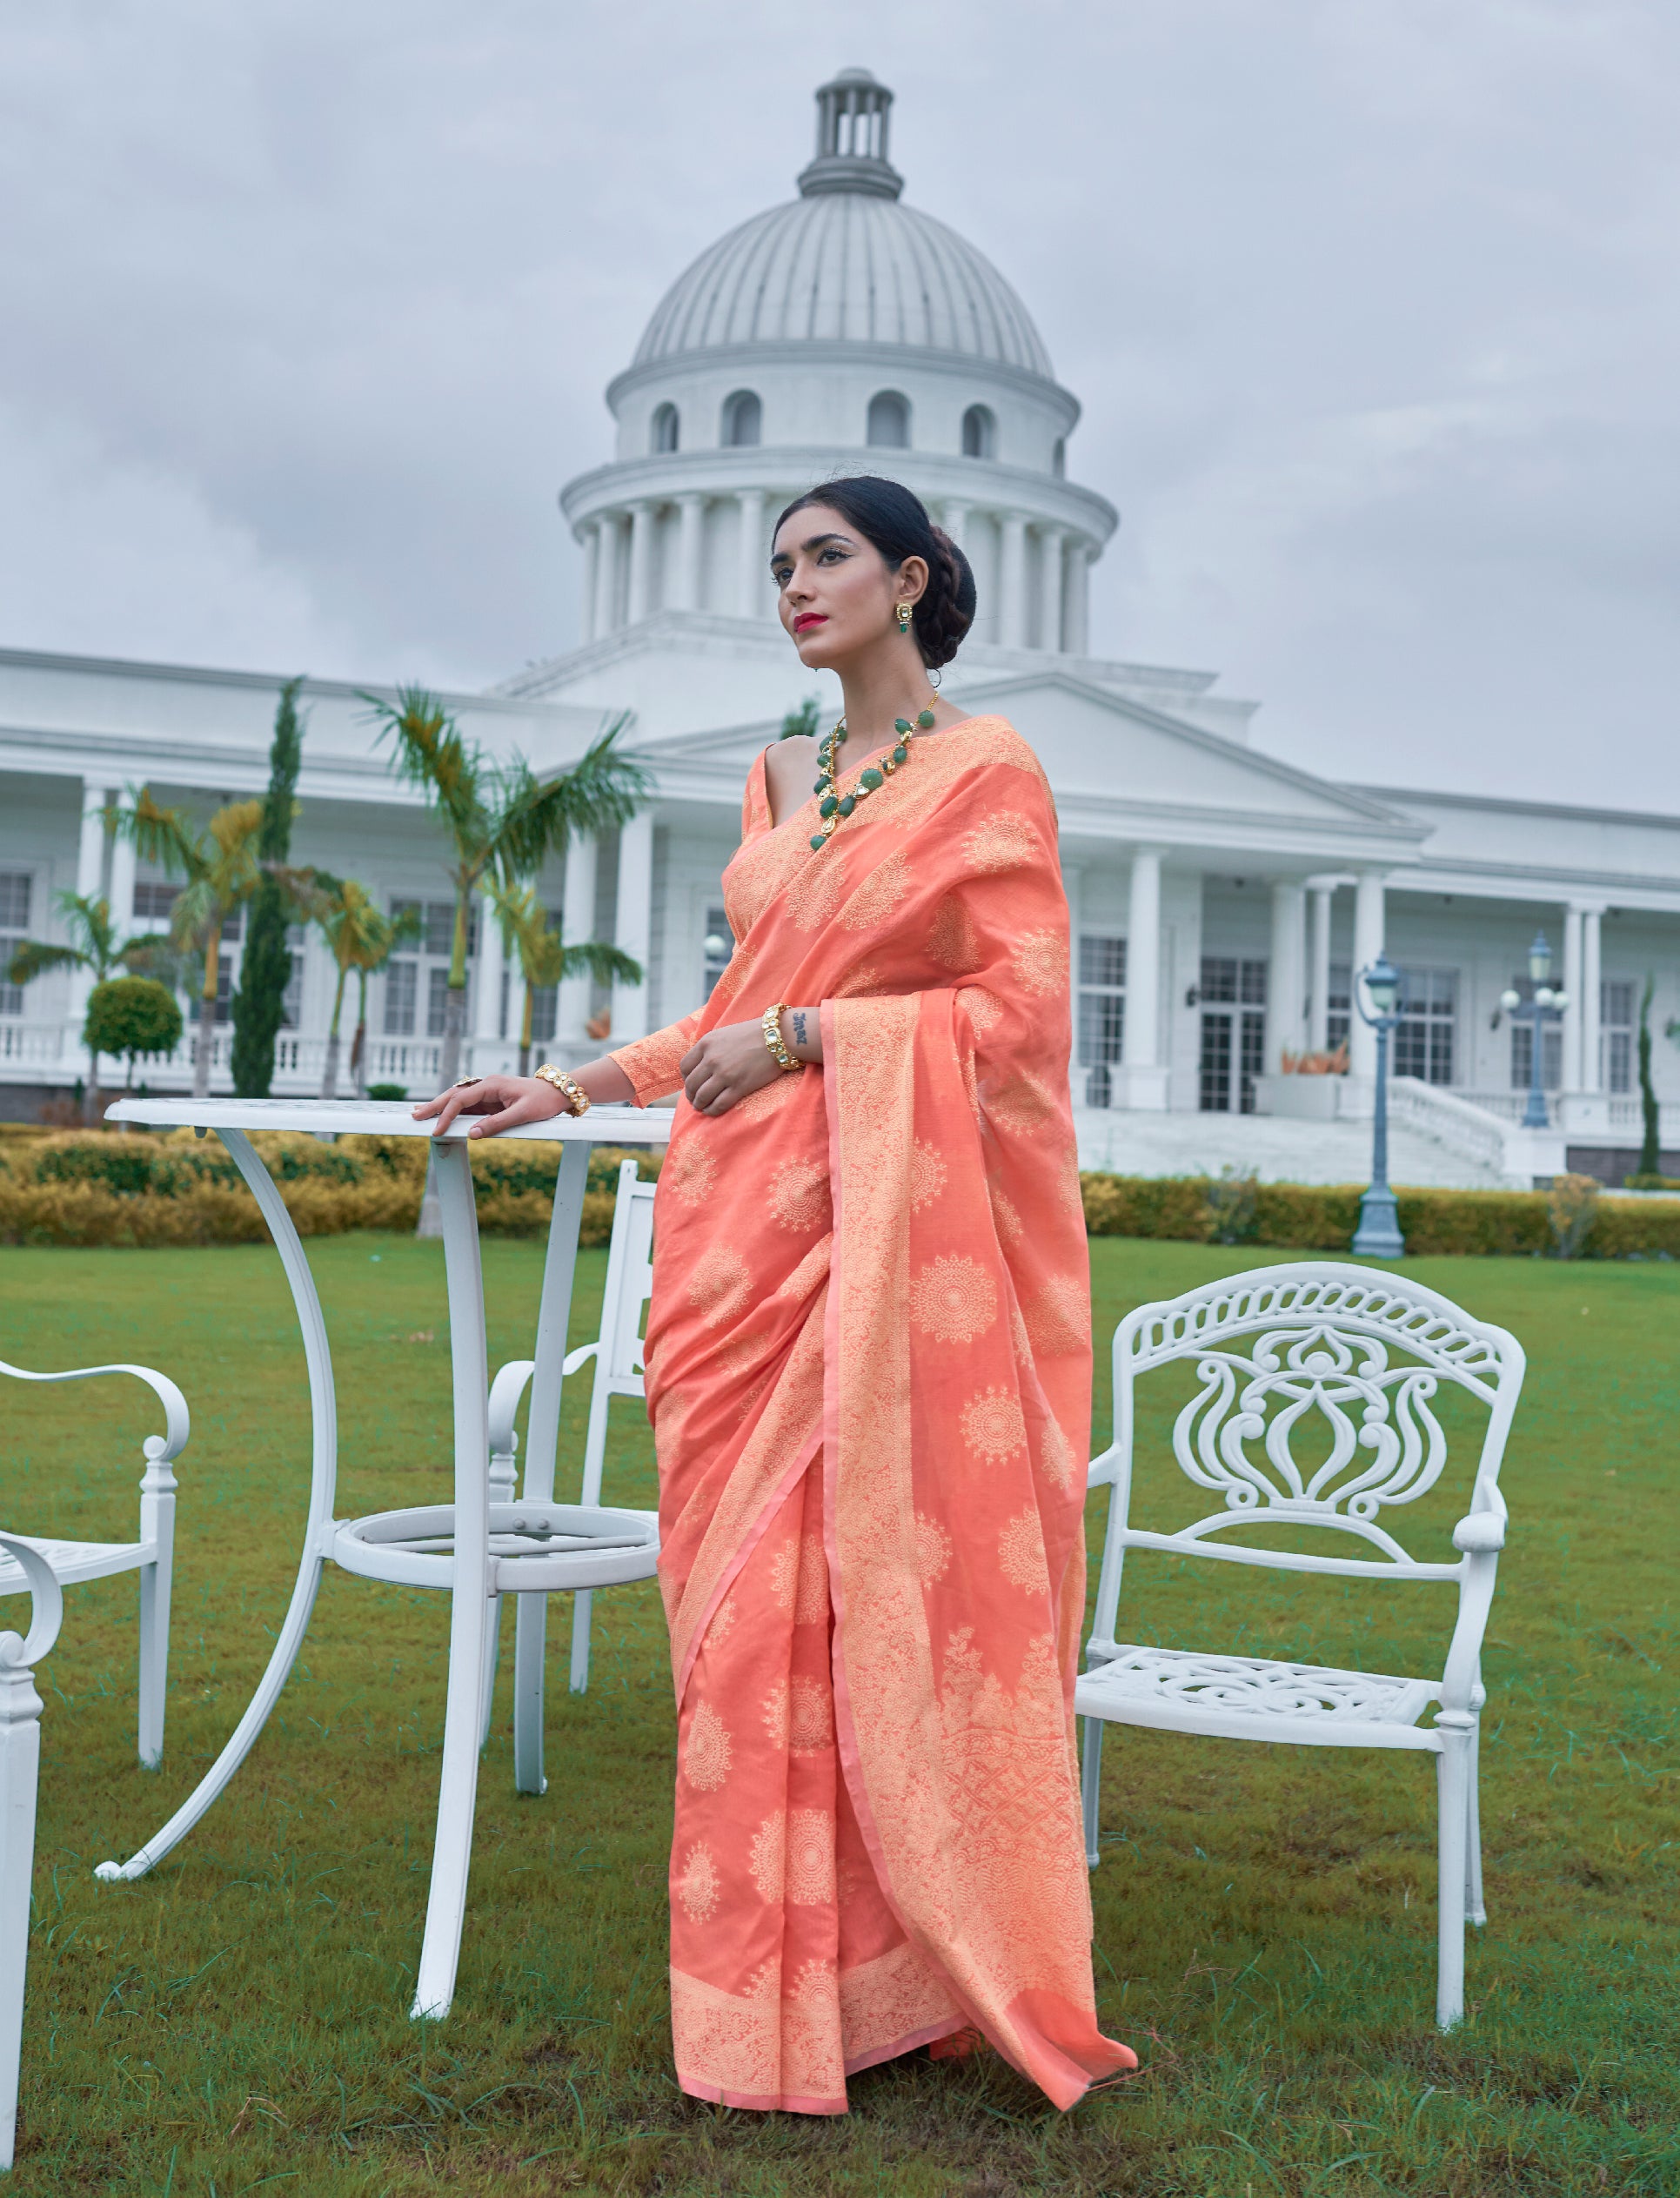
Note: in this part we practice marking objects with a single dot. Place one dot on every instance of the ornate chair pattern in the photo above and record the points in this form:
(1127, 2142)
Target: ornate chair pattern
(152, 1555)
(1334, 1356)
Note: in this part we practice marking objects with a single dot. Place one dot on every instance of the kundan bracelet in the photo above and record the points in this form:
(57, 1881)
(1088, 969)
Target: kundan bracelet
(770, 1023)
(568, 1086)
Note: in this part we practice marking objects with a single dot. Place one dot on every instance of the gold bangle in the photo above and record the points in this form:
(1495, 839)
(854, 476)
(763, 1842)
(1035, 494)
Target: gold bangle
(770, 1023)
(568, 1086)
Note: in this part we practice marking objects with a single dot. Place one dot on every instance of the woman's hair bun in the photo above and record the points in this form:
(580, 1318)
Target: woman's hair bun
(895, 520)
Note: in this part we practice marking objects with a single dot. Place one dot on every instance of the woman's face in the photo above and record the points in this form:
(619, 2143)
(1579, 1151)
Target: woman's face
(835, 593)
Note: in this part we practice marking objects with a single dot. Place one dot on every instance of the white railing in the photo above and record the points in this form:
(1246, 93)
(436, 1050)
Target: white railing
(34, 1044)
(1451, 1119)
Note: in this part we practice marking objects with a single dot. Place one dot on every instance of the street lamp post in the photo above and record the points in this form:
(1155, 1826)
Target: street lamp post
(1545, 1006)
(1378, 1234)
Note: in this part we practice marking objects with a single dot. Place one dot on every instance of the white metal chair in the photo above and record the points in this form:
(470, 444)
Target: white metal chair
(1344, 1361)
(152, 1555)
(20, 1765)
(618, 1355)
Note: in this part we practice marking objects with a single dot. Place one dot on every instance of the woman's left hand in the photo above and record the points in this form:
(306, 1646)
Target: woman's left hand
(733, 1062)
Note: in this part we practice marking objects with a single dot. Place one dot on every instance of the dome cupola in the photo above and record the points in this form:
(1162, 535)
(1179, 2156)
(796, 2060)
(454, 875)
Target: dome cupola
(840, 332)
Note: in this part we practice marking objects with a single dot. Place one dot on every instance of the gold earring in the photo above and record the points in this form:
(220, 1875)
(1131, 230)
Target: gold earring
(904, 617)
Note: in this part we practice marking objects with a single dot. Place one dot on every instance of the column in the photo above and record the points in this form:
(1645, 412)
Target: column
(89, 864)
(955, 519)
(577, 928)
(487, 993)
(122, 881)
(1592, 1077)
(1573, 1053)
(1011, 581)
(691, 537)
(1318, 1015)
(1049, 588)
(591, 578)
(1143, 1079)
(1368, 944)
(633, 929)
(609, 574)
(1075, 597)
(642, 517)
(752, 571)
(1286, 978)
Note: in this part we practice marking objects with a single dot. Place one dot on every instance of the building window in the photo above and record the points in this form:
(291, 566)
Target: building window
(154, 900)
(14, 929)
(292, 1001)
(223, 990)
(743, 420)
(979, 432)
(425, 973)
(1058, 459)
(1423, 1036)
(1615, 1034)
(1233, 996)
(889, 421)
(1339, 1005)
(717, 944)
(666, 430)
(1101, 1012)
(1551, 1046)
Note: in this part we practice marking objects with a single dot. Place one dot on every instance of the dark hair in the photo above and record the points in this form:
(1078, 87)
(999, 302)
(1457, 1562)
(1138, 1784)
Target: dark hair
(894, 519)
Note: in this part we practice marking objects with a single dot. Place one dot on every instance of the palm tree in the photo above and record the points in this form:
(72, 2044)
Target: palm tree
(404, 929)
(360, 936)
(502, 818)
(544, 958)
(220, 865)
(93, 945)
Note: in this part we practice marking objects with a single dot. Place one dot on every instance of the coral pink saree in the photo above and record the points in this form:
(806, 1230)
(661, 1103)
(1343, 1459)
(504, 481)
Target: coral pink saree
(869, 1378)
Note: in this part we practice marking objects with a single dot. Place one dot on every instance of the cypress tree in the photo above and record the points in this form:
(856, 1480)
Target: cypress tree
(1650, 1150)
(259, 1004)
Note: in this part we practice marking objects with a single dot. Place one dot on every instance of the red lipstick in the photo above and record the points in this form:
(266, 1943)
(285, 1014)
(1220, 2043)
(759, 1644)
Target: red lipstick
(809, 619)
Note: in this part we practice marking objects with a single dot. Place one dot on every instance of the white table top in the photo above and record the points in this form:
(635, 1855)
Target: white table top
(386, 1118)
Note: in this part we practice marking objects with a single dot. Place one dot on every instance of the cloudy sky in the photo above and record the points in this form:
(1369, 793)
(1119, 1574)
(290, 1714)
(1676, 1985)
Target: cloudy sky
(1371, 303)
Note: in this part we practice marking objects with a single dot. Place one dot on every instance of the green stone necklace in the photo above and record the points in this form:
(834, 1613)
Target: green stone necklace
(832, 807)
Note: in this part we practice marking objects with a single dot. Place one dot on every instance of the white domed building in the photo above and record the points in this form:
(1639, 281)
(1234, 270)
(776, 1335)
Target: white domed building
(1220, 899)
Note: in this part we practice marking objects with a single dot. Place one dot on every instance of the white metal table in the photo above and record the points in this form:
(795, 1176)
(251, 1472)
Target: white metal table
(575, 1546)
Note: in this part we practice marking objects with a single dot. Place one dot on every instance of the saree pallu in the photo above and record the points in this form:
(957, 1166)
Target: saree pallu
(869, 1372)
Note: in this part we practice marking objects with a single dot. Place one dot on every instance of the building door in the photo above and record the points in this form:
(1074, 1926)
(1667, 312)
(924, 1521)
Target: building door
(1233, 996)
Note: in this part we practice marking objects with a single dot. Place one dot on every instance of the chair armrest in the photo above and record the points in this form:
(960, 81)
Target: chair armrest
(1480, 1533)
(46, 1605)
(574, 1359)
(176, 1424)
(504, 1394)
(1101, 1470)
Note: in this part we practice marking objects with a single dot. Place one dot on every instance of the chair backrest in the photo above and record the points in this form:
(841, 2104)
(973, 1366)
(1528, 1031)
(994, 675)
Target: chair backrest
(629, 1283)
(1336, 1360)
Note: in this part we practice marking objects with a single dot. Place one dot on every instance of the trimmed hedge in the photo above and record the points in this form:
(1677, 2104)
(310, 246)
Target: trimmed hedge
(94, 1188)
(1323, 1218)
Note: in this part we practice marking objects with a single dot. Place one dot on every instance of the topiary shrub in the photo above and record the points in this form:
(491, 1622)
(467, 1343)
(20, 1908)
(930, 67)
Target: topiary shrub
(132, 1017)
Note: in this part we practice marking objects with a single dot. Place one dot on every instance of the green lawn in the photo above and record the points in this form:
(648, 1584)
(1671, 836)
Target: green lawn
(1265, 1917)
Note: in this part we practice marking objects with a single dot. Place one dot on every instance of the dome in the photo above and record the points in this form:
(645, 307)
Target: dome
(847, 263)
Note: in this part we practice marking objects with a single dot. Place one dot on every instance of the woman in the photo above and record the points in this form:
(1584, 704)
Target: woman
(868, 1371)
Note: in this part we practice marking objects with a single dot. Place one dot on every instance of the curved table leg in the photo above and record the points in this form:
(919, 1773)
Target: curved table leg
(323, 1486)
(542, 1438)
(469, 1616)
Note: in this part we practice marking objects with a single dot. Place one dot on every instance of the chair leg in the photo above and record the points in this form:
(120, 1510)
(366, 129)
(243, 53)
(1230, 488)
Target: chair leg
(492, 1658)
(530, 1646)
(582, 1607)
(154, 1659)
(1457, 1729)
(1474, 1907)
(1091, 1785)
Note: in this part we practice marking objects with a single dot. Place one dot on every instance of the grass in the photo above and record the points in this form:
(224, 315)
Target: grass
(236, 2021)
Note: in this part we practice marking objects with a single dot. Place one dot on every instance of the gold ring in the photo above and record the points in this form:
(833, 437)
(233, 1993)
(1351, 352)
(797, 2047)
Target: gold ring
(461, 1082)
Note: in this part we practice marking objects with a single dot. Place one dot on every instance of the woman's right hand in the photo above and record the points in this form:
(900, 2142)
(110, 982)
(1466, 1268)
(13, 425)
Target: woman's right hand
(504, 1101)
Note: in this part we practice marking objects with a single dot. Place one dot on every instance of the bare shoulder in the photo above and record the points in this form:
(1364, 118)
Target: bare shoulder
(789, 770)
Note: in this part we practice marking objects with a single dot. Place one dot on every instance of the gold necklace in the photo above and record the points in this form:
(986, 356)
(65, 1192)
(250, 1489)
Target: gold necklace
(832, 807)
